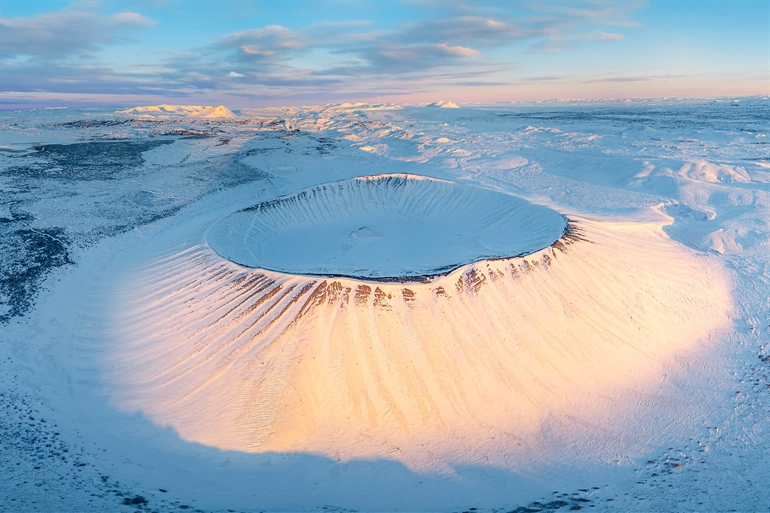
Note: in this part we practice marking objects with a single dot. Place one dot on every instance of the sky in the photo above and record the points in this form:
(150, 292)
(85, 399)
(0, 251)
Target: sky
(298, 52)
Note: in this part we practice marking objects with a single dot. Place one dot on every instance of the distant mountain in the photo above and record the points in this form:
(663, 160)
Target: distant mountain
(193, 111)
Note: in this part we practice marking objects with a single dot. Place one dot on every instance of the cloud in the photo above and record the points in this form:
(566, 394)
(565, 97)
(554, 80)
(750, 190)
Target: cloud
(460, 45)
(132, 18)
(478, 31)
(453, 38)
(67, 33)
(635, 78)
(606, 36)
(546, 78)
(389, 57)
(457, 51)
(574, 13)
(95, 79)
(272, 43)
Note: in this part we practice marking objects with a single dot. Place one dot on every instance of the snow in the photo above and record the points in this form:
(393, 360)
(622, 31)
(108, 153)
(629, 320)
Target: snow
(169, 341)
(384, 227)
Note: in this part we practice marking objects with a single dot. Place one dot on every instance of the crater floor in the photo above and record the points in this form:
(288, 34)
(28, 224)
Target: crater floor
(387, 227)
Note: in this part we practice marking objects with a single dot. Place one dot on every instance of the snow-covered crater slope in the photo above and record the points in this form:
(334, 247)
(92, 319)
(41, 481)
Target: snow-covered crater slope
(394, 227)
(467, 366)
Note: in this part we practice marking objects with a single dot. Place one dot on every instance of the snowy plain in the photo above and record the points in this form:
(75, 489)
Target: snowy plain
(622, 367)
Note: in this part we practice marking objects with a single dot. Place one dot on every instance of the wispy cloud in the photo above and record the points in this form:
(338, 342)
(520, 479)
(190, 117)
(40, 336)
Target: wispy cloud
(66, 34)
(637, 78)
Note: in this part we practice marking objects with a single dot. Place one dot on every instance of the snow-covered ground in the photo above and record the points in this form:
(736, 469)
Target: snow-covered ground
(622, 367)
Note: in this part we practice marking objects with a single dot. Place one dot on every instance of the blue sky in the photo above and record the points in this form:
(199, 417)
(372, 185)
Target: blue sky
(255, 53)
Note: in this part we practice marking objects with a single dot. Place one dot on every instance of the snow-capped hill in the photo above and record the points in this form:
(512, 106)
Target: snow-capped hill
(220, 112)
(444, 104)
(192, 111)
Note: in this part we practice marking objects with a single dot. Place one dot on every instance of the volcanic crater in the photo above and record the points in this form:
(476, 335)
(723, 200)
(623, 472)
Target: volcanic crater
(264, 332)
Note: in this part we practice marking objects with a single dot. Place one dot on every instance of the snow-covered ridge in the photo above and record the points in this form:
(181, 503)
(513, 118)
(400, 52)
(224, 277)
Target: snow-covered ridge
(395, 227)
(191, 111)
